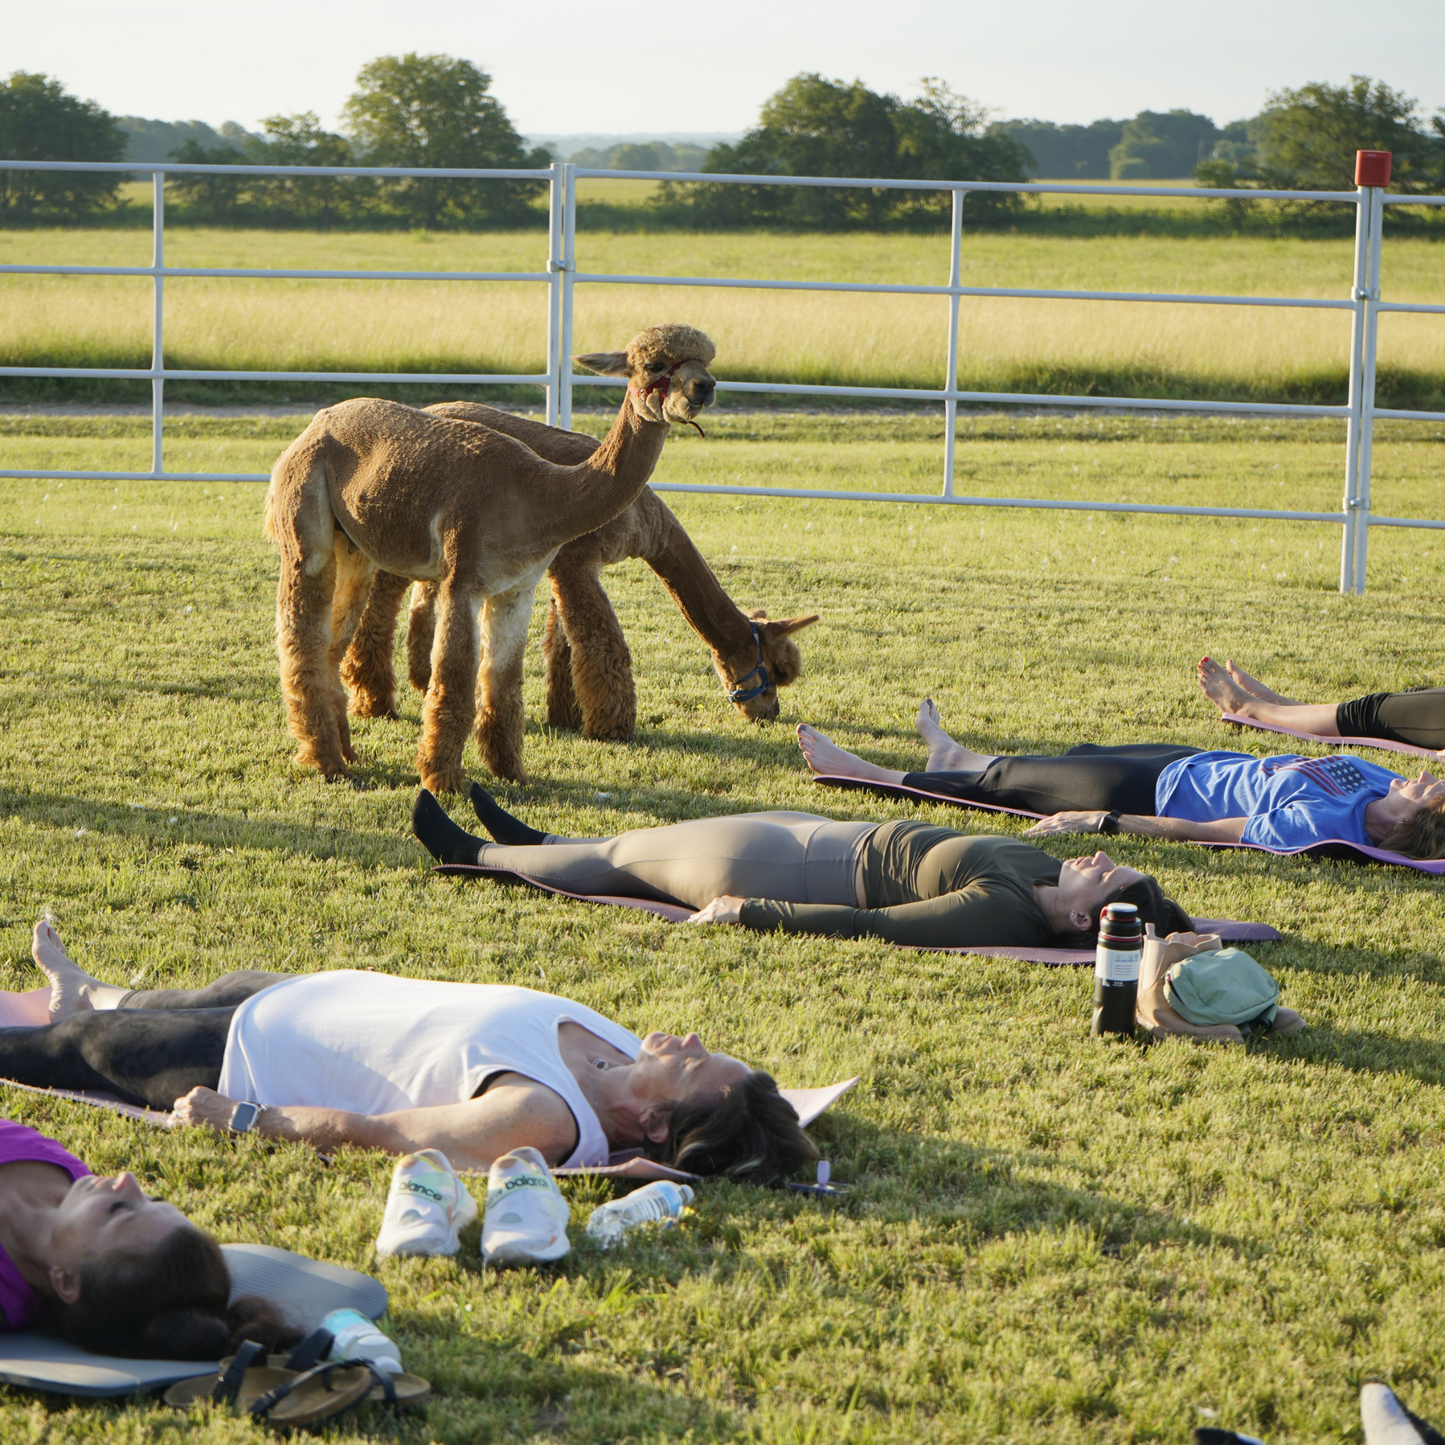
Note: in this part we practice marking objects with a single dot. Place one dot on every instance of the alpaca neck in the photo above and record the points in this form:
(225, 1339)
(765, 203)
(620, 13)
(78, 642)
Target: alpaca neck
(596, 490)
(709, 611)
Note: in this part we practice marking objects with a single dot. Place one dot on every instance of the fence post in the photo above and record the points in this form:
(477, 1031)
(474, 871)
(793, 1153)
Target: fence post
(1367, 388)
(1352, 425)
(950, 373)
(158, 259)
(569, 268)
(554, 288)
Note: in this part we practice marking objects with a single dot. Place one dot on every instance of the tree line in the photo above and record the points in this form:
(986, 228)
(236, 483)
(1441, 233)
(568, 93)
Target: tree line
(436, 111)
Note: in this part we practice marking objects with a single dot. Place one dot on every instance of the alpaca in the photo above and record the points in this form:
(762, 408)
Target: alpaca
(372, 486)
(589, 667)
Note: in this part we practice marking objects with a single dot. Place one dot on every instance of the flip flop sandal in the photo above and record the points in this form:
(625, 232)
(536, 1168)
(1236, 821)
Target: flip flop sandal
(282, 1396)
(406, 1390)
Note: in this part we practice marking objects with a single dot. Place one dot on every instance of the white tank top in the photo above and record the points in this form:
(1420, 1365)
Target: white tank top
(370, 1043)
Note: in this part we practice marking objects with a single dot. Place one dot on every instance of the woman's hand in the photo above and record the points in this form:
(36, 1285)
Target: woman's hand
(205, 1108)
(720, 910)
(1068, 823)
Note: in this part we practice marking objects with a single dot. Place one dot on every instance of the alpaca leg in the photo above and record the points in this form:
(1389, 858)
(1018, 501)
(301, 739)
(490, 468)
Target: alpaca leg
(354, 572)
(563, 710)
(421, 626)
(451, 696)
(500, 716)
(367, 668)
(601, 662)
(303, 642)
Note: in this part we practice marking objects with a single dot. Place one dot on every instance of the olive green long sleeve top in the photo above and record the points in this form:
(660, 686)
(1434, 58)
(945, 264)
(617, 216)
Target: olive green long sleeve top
(933, 888)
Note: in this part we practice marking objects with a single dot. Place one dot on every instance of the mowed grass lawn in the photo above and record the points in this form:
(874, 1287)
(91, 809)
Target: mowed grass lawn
(1070, 347)
(1048, 1237)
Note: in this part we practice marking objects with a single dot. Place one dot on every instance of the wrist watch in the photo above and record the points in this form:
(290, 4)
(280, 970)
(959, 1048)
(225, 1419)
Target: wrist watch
(1109, 824)
(244, 1116)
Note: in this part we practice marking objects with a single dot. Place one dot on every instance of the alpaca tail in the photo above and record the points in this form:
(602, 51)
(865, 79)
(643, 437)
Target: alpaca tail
(289, 476)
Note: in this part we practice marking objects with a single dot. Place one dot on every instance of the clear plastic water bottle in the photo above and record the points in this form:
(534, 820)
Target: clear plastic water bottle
(662, 1199)
(354, 1337)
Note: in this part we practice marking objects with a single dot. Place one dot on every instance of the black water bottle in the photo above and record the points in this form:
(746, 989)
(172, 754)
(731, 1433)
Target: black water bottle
(1116, 970)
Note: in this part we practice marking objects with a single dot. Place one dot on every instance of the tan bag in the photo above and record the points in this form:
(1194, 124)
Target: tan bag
(1153, 1010)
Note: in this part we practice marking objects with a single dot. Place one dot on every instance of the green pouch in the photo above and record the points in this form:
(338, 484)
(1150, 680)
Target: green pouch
(1225, 986)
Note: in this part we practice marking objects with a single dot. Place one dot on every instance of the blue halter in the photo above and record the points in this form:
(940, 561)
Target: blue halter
(737, 692)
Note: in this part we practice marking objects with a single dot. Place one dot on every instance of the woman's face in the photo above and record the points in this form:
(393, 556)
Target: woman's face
(100, 1214)
(669, 1067)
(1084, 883)
(1408, 795)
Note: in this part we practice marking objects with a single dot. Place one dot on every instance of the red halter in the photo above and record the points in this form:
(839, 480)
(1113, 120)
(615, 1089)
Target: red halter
(663, 384)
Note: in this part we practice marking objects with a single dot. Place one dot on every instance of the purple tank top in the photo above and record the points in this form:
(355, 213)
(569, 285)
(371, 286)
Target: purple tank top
(19, 1145)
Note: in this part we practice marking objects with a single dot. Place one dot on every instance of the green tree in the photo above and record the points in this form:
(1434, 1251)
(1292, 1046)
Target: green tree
(1063, 152)
(300, 140)
(435, 110)
(1308, 137)
(39, 121)
(819, 127)
(1162, 145)
(217, 197)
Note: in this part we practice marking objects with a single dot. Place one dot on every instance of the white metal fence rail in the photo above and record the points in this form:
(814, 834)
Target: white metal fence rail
(562, 277)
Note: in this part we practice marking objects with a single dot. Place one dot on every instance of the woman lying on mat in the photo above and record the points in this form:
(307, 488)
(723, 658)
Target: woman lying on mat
(110, 1269)
(1416, 717)
(905, 882)
(402, 1064)
(1158, 790)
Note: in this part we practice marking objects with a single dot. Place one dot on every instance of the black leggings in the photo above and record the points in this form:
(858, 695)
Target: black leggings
(1084, 778)
(1416, 717)
(153, 1047)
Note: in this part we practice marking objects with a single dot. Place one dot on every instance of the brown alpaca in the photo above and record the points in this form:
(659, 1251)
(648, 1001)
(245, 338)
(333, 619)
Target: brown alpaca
(589, 668)
(372, 486)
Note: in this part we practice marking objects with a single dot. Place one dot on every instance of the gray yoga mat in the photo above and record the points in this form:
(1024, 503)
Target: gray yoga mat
(306, 1289)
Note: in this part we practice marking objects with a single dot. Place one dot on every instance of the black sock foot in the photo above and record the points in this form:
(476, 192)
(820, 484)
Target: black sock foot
(500, 823)
(439, 835)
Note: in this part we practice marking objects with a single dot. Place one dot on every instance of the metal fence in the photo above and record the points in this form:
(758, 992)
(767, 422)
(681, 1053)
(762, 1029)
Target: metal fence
(561, 278)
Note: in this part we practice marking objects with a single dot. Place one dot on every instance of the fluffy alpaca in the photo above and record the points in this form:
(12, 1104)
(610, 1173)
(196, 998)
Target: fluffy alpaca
(372, 486)
(589, 667)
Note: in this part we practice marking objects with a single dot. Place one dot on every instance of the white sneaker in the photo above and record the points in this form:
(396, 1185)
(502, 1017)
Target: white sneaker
(1385, 1419)
(427, 1208)
(526, 1217)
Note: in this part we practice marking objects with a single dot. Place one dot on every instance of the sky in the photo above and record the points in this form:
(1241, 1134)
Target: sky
(571, 66)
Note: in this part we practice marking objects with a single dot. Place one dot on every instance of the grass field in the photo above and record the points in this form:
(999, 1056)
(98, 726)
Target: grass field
(1105, 348)
(1048, 1238)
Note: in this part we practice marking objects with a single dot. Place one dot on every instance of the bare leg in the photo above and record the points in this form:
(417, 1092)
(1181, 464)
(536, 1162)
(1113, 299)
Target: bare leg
(72, 990)
(823, 755)
(1254, 685)
(945, 755)
(1228, 696)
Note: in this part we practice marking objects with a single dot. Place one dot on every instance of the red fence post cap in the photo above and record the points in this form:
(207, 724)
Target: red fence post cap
(1372, 168)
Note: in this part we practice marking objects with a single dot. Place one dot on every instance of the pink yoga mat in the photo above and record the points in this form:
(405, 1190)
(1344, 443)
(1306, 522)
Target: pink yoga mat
(1249, 722)
(1325, 848)
(1058, 957)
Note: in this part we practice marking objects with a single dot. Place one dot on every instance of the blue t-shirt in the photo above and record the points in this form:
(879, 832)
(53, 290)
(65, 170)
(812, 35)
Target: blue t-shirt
(1290, 801)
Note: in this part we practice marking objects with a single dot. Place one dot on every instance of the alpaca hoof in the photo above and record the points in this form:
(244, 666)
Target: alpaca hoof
(442, 779)
(331, 766)
(612, 733)
(564, 718)
(371, 705)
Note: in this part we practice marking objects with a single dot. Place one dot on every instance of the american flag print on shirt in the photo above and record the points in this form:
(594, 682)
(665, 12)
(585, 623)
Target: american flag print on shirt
(1337, 776)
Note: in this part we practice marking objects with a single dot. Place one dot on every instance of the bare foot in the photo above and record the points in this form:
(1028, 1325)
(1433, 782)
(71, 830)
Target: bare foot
(824, 756)
(70, 985)
(1254, 685)
(1222, 690)
(945, 755)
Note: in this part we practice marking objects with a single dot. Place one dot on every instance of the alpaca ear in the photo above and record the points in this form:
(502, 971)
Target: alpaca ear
(604, 363)
(791, 624)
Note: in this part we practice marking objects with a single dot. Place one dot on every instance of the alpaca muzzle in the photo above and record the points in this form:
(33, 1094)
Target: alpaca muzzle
(662, 386)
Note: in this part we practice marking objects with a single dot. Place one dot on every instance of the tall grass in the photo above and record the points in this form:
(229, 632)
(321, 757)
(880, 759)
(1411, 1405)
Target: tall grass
(1005, 345)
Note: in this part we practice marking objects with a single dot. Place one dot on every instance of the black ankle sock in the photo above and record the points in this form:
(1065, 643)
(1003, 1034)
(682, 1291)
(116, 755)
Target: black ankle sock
(500, 823)
(439, 835)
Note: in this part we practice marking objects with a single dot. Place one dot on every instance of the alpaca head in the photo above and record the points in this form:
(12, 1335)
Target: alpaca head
(666, 369)
(780, 660)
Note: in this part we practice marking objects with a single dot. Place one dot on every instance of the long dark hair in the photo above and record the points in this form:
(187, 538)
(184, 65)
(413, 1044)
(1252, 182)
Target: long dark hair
(749, 1132)
(167, 1302)
(1154, 905)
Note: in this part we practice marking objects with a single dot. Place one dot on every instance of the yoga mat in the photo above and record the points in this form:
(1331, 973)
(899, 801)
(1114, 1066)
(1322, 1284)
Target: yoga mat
(1227, 928)
(158, 1117)
(1326, 847)
(306, 1289)
(1249, 722)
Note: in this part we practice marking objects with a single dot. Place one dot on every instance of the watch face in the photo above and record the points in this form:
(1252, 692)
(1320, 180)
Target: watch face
(243, 1118)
